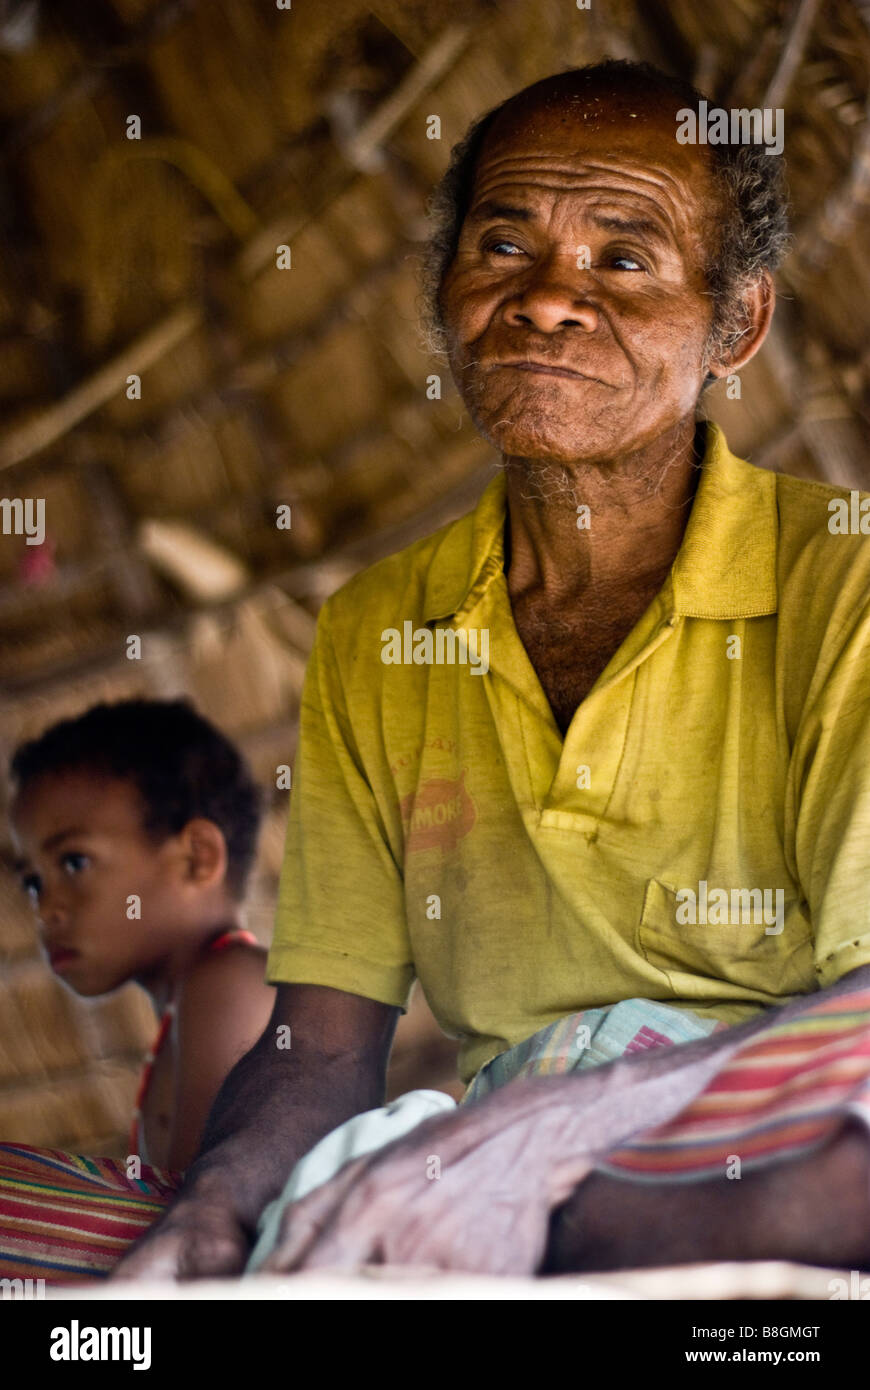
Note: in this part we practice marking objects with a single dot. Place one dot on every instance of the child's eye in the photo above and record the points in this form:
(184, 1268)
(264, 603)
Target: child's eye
(32, 885)
(73, 863)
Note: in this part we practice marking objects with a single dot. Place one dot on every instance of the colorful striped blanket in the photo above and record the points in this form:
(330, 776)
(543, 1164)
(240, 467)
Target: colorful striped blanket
(67, 1219)
(784, 1092)
(781, 1092)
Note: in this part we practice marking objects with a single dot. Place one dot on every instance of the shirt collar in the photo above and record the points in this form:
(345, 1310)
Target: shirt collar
(471, 553)
(725, 567)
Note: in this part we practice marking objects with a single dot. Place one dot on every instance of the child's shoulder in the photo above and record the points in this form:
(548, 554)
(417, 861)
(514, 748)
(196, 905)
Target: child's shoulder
(236, 961)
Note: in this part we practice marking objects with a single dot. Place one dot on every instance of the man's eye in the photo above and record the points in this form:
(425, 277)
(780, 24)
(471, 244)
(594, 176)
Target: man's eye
(626, 262)
(31, 884)
(494, 247)
(73, 863)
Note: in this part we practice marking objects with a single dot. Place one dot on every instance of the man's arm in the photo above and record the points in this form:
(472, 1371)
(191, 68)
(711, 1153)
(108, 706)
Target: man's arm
(505, 1163)
(275, 1104)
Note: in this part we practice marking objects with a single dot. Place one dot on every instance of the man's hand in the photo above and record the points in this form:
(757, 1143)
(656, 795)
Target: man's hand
(465, 1191)
(273, 1107)
(197, 1238)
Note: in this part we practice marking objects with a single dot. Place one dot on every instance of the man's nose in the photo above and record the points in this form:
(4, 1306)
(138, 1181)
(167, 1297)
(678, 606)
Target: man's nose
(555, 295)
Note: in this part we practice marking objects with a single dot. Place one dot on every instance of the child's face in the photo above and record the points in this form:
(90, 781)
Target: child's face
(83, 853)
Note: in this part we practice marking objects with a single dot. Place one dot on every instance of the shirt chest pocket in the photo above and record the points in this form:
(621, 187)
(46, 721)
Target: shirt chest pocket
(753, 956)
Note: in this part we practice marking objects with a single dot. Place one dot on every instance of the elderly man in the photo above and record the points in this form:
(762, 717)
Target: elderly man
(626, 853)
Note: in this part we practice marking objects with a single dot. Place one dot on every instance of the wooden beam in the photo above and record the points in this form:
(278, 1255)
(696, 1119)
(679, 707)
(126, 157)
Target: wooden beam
(25, 440)
(260, 251)
(835, 220)
(52, 423)
(793, 51)
(821, 409)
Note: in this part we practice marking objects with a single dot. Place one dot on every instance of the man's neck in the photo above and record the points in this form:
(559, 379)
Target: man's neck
(600, 527)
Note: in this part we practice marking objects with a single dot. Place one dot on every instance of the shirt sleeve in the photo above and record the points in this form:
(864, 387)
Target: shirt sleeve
(340, 918)
(832, 795)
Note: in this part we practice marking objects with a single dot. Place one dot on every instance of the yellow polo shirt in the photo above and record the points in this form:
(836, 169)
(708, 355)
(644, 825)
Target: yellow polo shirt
(441, 827)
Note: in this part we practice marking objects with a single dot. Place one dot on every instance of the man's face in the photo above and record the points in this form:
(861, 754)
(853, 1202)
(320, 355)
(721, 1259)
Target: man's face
(82, 852)
(582, 251)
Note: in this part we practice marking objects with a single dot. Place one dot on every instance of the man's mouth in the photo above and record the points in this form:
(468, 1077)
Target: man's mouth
(547, 369)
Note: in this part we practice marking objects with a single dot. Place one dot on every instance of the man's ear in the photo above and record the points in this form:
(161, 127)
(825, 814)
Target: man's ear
(204, 852)
(758, 303)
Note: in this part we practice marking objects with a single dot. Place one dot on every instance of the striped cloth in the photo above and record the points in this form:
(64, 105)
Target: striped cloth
(589, 1038)
(68, 1219)
(783, 1093)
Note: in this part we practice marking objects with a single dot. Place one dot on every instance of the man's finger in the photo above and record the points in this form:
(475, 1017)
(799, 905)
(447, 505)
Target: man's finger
(207, 1255)
(158, 1259)
(302, 1222)
(297, 1234)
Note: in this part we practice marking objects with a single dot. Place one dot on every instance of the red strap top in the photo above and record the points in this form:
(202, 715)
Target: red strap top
(227, 938)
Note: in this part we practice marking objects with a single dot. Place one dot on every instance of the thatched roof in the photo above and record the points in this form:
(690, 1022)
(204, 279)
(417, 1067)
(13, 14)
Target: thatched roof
(304, 387)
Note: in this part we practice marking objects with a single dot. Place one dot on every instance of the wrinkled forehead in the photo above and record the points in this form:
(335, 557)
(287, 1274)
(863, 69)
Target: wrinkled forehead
(562, 127)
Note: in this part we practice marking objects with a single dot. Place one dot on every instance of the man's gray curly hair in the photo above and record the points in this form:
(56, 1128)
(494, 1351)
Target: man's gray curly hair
(753, 217)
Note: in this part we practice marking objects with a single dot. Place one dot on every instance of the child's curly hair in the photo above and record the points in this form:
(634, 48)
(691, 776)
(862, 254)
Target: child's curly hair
(180, 763)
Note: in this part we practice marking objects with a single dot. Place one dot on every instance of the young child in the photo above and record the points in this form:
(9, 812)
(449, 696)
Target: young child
(136, 825)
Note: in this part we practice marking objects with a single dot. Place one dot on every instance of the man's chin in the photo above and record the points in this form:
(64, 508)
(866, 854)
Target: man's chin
(548, 448)
(551, 437)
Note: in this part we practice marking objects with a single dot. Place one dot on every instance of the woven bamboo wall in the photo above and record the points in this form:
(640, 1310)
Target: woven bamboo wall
(261, 387)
